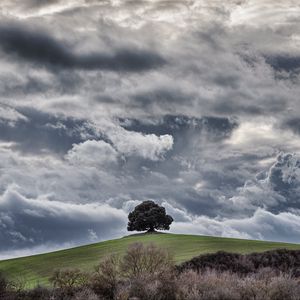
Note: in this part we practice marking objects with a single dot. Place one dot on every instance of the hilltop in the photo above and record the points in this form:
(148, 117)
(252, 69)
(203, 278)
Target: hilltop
(37, 268)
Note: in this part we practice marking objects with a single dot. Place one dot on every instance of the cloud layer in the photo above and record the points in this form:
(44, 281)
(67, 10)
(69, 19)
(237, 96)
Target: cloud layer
(104, 104)
(28, 222)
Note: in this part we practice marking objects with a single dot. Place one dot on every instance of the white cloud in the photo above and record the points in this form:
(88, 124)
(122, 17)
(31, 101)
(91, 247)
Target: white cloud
(262, 137)
(10, 115)
(259, 13)
(179, 215)
(92, 153)
(147, 146)
(263, 225)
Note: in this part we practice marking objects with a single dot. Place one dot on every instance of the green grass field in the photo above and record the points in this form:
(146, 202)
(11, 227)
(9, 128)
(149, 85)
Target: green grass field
(37, 269)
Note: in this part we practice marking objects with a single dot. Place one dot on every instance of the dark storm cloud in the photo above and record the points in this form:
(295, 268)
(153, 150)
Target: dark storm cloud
(42, 49)
(10, 87)
(162, 97)
(202, 202)
(32, 222)
(284, 63)
(292, 124)
(34, 3)
(41, 132)
(232, 108)
(180, 124)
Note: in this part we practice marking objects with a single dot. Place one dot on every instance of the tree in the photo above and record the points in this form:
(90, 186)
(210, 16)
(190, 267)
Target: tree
(149, 216)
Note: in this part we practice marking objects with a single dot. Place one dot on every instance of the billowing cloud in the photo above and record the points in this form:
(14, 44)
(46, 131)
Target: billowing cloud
(28, 222)
(263, 225)
(92, 152)
(42, 49)
(275, 190)
(148, 146)
(37, 132)
(104, 104)
(10, 116)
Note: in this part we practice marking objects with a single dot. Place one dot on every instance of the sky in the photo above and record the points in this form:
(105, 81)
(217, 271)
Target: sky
(193, 104)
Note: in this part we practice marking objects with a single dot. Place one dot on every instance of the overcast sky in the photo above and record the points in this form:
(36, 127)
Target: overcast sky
(105, 103)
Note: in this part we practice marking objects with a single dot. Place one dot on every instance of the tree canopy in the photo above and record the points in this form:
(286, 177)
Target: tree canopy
(149, 216)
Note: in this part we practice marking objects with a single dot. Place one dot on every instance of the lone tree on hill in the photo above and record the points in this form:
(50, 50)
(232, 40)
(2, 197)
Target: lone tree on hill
(149, 216)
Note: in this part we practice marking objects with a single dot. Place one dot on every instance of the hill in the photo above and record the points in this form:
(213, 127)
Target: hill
(37, 269)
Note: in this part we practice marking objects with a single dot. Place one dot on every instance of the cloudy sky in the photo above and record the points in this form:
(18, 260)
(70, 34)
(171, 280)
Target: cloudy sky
(106, 103)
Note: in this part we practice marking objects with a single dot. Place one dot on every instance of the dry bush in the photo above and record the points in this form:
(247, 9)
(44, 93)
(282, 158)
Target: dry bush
(145, 272)
(85, 294)
(38, 293)
(142, 259)
(269, 286)
(187, 284)
(105, 279)
(266, 285)
(284, 287)
(4, 284)
(123, 291)
(209, 285)
(68, 281)
(153, 288)
(257, 285)
(68, 278)
(18, 284)
(253, 288)
(150, 271)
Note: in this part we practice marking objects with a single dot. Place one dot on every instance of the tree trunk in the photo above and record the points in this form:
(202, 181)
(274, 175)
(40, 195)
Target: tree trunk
(151, 230)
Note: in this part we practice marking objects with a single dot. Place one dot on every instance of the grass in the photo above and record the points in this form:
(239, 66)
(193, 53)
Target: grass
(37, 268)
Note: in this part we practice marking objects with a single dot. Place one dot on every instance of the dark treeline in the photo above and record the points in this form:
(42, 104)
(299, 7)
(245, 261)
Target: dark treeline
(281, 261)
(149, 273)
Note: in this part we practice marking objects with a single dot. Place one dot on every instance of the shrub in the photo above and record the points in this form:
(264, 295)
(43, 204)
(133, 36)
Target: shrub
(3, 285)
(67, 281)
(220, 261)
(149, 259)
(105, 279)
(85, 294)
(284, 287)
(145, 272)
(153, 288)
(38, 293)
(281, 260)
(17, 285)
(150, 270)
(254, 288)
(208, 285)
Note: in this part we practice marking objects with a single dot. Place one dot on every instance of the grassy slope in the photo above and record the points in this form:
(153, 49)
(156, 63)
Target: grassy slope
(36, 269)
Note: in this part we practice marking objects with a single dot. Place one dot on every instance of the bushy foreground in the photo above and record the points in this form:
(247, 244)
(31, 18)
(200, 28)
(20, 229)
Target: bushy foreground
(149, 273)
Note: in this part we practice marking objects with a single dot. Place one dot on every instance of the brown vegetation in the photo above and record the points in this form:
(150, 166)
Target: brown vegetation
(149, 273)
(281, 260)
